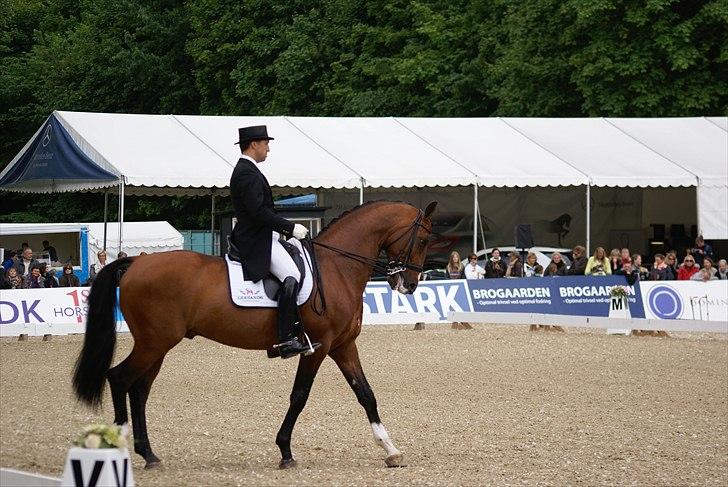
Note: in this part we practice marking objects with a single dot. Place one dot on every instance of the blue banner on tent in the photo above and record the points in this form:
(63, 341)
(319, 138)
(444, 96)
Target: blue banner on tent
(578, 295)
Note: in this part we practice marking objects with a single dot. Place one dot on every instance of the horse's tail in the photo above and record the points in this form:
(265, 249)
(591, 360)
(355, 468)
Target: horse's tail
(100, 338)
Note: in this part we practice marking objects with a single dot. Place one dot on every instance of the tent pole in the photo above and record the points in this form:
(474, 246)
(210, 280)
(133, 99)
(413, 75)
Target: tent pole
(588, 218)
(121, 213)
(361, 191)
(475, 218)
(106, 211)
(212, 225)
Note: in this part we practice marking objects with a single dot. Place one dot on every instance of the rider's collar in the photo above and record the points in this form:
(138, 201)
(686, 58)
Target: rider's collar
(244, 156)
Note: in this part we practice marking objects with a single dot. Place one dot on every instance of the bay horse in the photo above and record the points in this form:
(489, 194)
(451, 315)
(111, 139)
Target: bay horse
(159, 316)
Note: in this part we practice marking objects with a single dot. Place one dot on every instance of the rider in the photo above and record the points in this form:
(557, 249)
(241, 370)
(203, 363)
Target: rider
(257, 232)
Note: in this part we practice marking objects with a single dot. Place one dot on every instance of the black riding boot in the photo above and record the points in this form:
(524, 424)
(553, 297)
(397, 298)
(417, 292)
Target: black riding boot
(289, 324)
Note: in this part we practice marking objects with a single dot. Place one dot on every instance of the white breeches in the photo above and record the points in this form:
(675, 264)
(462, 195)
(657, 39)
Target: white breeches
(281, 263)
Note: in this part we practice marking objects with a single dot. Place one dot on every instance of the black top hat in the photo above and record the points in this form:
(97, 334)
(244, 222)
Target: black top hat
(256, 132)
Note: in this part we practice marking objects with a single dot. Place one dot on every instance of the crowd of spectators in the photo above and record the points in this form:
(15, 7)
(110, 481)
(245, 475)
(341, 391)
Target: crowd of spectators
(21, 270)
(698, 265)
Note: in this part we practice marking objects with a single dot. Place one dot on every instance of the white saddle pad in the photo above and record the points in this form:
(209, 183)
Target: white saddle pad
(252, 294)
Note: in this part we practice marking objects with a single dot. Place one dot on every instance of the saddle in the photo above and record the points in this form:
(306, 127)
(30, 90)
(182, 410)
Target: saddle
(248, 293)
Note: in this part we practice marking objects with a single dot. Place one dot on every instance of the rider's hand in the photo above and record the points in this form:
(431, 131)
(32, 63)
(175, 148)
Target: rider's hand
(299, 231)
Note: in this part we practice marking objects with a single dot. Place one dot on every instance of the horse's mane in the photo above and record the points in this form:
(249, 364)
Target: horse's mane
(354, 210)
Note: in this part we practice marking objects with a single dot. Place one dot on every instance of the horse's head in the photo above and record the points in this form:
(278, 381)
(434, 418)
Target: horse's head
(406, 252)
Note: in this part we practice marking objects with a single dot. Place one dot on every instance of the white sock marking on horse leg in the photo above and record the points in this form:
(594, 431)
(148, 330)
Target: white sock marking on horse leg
(382, 438)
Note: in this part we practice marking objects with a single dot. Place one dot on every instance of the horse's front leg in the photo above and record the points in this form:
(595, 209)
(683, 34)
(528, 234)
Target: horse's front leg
(347, 358)
(307, 369)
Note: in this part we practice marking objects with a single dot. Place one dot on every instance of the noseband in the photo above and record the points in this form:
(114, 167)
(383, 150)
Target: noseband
(401, 263)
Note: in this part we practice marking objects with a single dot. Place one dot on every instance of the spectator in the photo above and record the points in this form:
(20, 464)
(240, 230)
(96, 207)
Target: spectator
(615, 261)
(556, 267)
(722, 273)
(598, 264)
(625, 255)
(687, 269)
(472, 269)
(121, 255)
(660, 270)
(629, 272)
(49, 275)
(495, 267)
(703, 275)
(578, 266)
(34, 280)
(671, 262)
(515, 268)
(701, 250)
(4, 283)
(96, 268)
(14, 279)
(69, 279)
(532, 268)
(26, 262)
(455, 269)
(637, 264)
(708, 264)
(8, 263)
(47, 247)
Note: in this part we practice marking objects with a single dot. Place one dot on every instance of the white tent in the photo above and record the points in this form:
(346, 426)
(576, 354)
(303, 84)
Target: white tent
(149, 237)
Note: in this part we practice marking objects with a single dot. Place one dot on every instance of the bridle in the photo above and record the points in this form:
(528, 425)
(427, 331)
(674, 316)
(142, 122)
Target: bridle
(401, 263)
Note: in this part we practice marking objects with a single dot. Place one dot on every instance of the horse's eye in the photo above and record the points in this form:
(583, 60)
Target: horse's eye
(423, 241)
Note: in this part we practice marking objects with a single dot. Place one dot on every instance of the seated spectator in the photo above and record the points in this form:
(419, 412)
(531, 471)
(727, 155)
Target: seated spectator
(578, 266)
(532, 268)
(598, 264)
(722, 273)
(8, 263)
(96, 268)
(671, 262)
(69, 279)
(52, 253)
(472, 269)
(495, 267)
(708, 264)
(687, 269)
(49, 275)
(515, 268)
(454, 268)
(615, 261)
(660, 270)
(637, 264)
(629, 272)
(701, 250)
(26, 262)
(121, 255)
(703, 275)
(556, 267)
(4, 283)
(625, 255)
(34, 280)
(14, 279)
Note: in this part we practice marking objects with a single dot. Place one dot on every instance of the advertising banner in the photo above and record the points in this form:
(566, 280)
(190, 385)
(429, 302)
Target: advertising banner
(439, 297)
(577, 295)
(686, 300)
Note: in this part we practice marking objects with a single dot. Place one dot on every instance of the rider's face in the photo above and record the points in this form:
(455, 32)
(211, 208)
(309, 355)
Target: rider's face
(260, 150)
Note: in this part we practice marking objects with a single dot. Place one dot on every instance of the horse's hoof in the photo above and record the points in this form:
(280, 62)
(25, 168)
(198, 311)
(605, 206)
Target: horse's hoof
(394, 460)
(153, 464)
(285, 464)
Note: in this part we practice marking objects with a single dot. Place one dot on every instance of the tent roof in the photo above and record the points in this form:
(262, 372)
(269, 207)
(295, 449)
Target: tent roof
(175, 154)
(607, 154)
(498, 154)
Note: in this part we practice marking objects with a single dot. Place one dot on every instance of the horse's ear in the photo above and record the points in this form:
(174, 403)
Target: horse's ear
(430, 209)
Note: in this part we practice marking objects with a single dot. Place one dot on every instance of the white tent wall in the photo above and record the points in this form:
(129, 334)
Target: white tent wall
(149, 237)
(713, 203)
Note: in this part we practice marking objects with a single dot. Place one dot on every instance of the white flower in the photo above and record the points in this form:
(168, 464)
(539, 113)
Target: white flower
(92, 441)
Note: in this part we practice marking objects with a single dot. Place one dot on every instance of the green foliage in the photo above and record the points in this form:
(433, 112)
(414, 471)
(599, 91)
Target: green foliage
(434, 58)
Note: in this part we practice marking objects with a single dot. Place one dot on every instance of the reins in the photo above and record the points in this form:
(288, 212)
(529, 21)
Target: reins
(400, 264)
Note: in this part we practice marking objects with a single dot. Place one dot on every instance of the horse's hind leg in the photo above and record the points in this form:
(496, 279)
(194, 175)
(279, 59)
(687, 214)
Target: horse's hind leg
(347, 358)
(138, 395)
(306, 373)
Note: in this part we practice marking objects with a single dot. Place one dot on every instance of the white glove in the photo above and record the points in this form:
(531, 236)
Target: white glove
(299, 231)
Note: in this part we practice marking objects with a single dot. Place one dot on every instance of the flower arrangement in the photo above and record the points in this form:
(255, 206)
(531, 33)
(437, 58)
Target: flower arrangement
(618, 292)
(103, 436)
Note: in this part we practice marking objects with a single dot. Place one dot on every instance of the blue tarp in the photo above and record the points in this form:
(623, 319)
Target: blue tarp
(305, 200)
(53, 155)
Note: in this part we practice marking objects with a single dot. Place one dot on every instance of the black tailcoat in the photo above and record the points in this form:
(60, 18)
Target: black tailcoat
(253, 204)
